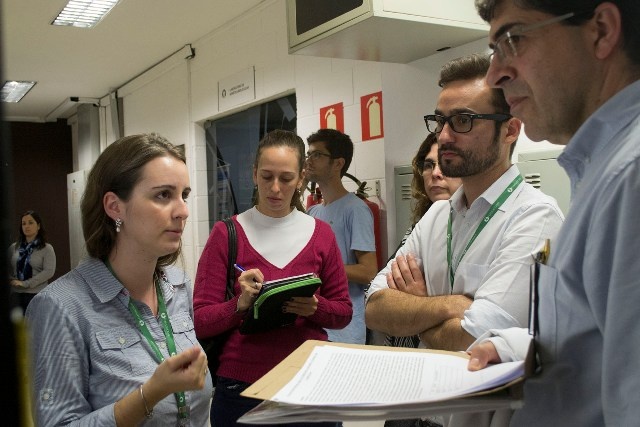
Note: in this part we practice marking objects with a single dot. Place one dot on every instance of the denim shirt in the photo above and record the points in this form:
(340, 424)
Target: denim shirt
(88, 352)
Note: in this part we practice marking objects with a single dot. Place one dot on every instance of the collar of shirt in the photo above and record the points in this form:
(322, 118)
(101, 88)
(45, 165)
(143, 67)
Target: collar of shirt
(106, 287)
(589, 142)
(489, 196)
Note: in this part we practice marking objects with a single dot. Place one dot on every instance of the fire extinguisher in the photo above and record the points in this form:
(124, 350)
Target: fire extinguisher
(375, 212)
(315, 196)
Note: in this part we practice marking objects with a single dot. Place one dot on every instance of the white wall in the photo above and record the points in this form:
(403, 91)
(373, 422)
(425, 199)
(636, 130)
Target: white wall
(177, 102)
(407, 93)
(260, 40)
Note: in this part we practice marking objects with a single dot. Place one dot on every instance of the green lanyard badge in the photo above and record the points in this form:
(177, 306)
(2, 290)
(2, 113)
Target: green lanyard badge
(487, 217)
(183, 409)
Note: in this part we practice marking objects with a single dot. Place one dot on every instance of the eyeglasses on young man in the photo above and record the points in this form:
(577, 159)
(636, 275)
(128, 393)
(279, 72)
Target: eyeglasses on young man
(461, 122)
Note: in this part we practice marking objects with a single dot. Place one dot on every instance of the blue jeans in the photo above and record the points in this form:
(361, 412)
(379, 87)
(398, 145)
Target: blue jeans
(227, 405)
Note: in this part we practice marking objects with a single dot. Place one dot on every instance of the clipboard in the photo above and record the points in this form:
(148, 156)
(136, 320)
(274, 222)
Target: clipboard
(266, 312)
(506, 396)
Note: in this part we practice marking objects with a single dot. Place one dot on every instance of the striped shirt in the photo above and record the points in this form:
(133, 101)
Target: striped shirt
(88, 352)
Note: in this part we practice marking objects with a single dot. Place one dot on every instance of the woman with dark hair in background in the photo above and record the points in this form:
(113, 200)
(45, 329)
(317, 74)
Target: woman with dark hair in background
(428, 183)
(33, 260)
(427, 186)
(275, 239)
(113, 340)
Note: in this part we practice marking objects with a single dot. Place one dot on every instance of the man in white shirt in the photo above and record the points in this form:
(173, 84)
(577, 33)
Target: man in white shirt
(465, 268)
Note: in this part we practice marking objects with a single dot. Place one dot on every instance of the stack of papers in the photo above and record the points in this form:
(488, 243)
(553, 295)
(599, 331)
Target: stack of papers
(331, 382)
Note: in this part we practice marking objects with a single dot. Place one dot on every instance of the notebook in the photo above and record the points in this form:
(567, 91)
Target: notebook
(266, 312)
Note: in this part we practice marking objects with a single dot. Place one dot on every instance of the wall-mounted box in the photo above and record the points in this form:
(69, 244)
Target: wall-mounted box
(398, 31)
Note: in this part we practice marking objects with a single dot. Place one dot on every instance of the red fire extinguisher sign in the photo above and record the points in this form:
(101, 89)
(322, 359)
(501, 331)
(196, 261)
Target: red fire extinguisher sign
(371, 116)
(332, 117)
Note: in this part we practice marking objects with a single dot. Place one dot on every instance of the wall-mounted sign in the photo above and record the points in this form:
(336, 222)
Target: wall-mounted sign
(332, 117)
(371, 116)
(236, 89)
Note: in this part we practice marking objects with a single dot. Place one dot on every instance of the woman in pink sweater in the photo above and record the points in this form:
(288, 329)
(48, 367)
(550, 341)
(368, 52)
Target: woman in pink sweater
(274, 240)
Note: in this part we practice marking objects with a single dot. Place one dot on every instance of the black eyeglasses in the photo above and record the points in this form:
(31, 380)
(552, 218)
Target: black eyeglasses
(426, 165)
(505, 46)
(314, 155)
(460, 123)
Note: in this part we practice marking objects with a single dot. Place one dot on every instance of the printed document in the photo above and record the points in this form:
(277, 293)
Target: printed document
(338, 376)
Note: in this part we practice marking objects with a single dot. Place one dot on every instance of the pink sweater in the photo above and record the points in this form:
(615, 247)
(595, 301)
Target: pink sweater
(249, 357)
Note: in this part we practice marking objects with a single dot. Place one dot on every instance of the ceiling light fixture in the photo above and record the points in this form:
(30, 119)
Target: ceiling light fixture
(84, 13)
(14, 91)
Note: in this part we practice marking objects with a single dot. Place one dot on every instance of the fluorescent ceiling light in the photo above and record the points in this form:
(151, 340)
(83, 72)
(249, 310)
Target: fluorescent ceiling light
(84, 13)
(13, 91)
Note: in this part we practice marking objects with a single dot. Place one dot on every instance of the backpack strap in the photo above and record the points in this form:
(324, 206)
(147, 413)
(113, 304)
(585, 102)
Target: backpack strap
(233, 252)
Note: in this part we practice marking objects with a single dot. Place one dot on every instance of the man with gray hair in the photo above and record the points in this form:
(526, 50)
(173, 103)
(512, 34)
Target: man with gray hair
(571, 71)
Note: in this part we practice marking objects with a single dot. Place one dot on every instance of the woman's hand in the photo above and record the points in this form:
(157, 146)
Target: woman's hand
(250, 285)
(184, 371)
(302, 306)
(17, 283)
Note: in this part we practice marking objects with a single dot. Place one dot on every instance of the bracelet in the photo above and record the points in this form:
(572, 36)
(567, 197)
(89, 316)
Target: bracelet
(238, 311)
(148, 413)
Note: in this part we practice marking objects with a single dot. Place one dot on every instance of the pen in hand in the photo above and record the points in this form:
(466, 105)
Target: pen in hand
(241, 269)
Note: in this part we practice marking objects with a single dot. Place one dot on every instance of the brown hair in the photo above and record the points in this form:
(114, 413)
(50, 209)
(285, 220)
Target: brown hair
(41, 236)
(469, 68)
(118, 169)
(338, 144)
(283, 138)
(475, 67)
(421, 202)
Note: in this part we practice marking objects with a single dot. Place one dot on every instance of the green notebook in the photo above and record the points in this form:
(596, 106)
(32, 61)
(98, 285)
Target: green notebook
(266, 312)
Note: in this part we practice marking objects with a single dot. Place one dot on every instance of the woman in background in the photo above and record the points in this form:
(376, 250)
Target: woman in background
(427, 186)
(274, 240)
(113, 340)
(33, 260)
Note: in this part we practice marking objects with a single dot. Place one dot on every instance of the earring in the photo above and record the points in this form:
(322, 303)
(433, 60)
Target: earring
(118, 222)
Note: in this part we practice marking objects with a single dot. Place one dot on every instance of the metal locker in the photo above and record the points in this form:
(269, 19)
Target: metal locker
(402, 180)
(541, 169)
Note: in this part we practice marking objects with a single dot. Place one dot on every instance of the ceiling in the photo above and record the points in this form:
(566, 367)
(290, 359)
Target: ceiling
(89, 63)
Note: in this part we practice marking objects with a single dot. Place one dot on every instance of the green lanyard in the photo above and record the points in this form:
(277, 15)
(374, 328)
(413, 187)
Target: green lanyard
(183, 409)
(490, 213)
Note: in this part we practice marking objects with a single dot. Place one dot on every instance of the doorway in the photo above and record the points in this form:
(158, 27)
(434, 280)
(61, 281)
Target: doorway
(231, 143)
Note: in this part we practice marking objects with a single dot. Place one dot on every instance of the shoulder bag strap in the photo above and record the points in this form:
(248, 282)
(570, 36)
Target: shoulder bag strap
(233, 250)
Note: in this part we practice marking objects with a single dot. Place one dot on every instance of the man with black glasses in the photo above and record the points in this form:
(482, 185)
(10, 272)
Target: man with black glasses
(465, 268)
(571, 71)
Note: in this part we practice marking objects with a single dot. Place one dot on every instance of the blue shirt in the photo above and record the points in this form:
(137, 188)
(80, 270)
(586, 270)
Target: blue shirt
(88, 352)
(590, 292)
(352, 222)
